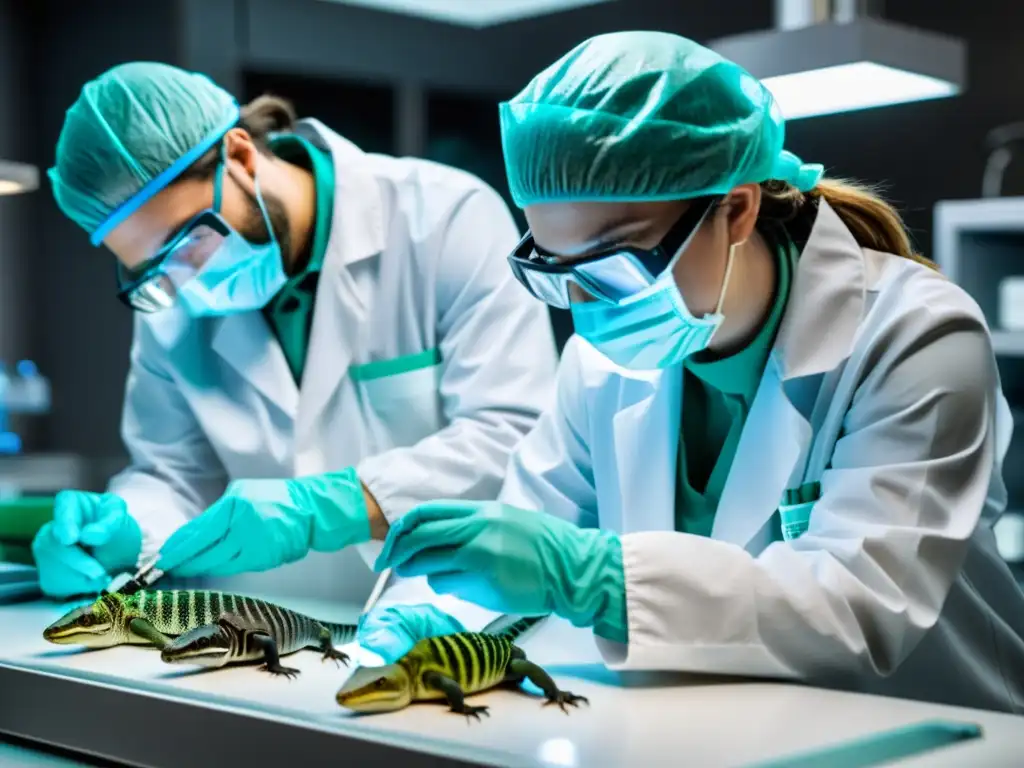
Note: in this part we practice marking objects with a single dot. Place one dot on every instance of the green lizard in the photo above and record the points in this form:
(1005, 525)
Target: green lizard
(157, 617)
(450, 667)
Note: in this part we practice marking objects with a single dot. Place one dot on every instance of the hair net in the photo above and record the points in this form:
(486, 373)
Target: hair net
(132, 131)
(643, 116)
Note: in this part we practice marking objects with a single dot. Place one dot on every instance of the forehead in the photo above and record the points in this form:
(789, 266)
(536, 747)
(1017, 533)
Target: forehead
(142, 234)
(569, 228)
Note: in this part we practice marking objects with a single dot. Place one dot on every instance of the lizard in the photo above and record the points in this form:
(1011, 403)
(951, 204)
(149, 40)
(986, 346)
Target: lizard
(449, 667)
(157, 617)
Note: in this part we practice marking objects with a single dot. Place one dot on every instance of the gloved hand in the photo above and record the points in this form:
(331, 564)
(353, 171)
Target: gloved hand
(391, 632)
(513, 561)
(90, 539)
(261, 524)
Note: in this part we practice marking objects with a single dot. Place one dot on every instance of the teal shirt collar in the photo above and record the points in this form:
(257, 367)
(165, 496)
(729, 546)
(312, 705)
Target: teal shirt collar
(300, 151)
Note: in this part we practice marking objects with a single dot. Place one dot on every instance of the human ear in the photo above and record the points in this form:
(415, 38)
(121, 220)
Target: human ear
(743, 205)
(241, 154)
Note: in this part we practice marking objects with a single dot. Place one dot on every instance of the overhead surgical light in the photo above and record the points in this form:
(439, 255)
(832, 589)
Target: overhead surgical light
(831, 56)
(17, 177)
(472, 13)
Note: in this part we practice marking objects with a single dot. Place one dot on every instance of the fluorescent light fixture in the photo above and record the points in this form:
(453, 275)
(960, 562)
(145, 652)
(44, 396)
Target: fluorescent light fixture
(17, 177)
(849, 87)
(831, 68)
(472, 13)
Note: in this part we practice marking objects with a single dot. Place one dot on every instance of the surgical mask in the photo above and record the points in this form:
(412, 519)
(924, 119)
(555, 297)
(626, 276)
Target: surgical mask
(239, 276)
(652, 329)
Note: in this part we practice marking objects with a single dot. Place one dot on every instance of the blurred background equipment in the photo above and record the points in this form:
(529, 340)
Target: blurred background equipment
(472, 13)
(1003, 142)
(23, 390)
(16, 178)
(980, 245)
(830, 56)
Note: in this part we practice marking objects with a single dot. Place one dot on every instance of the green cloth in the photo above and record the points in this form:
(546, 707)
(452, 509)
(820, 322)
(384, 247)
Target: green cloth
(19, 554)
(717, 395)
(22, 516)
(290, 313)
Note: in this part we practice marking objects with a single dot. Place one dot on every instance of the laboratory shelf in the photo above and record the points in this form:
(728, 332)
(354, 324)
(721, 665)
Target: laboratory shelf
(977, 244)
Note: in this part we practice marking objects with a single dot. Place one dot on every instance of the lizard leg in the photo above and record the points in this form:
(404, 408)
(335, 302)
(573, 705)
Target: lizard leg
(453, 693)
(143, 629)
(328, 649)
(271, 660)
(543, 680)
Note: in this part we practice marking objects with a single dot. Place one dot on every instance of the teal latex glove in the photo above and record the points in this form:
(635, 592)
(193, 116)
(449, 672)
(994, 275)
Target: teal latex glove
(391, 632)
(90, 539)
(512, 560)
(261, 524)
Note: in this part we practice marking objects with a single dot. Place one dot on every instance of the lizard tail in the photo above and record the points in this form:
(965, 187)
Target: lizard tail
(341, 634)
(514, 630)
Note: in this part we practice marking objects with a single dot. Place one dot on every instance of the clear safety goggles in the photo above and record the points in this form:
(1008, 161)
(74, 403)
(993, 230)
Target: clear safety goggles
(610, 274)
(155, 287)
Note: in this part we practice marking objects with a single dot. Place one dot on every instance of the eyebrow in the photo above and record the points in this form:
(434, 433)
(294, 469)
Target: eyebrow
(175, 230)
(613, 233)
(605, 235)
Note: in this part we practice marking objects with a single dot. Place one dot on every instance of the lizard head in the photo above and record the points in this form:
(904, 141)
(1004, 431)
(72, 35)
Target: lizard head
(377, 689)
(207, 646)
(90, 625)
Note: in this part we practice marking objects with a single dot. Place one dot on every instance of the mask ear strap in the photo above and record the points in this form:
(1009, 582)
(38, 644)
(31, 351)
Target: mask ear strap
(725, 278)
(218, 179)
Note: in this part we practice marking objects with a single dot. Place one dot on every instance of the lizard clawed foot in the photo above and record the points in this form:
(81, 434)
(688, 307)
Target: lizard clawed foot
(472, 712)
(335, 655)
(289, 672)
(561, 698)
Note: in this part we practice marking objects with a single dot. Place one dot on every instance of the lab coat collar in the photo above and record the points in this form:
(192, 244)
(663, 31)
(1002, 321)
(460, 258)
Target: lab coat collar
(823, 314)
(827, 295)
(357, 233)
(647, 426)
(245, 343)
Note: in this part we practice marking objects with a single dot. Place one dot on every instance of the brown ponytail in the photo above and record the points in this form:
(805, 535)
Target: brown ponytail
(874, 223)
(261, 117)
(265, 115)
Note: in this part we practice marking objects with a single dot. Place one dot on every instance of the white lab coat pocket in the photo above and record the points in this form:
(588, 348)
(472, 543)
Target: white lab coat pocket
(401, 398)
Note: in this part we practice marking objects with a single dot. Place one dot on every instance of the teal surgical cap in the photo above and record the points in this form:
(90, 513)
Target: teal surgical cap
(132, 131)
(643, 116)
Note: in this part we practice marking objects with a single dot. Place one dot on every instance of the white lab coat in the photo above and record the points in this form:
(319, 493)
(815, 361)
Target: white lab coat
(882, 385)
(415, 272)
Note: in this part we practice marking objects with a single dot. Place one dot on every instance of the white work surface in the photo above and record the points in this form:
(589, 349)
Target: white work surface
(632, 720)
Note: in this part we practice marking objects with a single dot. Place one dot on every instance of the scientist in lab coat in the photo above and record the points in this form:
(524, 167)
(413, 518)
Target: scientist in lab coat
(777, 444)
(323, 338)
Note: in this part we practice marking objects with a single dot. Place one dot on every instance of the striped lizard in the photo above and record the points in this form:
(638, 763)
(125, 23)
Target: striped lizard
(211, 628)
(450, 667)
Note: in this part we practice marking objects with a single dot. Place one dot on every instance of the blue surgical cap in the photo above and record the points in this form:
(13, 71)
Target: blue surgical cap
(132, 131)
(638, 116)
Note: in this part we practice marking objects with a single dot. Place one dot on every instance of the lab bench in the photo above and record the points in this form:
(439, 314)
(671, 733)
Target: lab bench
(124, 704)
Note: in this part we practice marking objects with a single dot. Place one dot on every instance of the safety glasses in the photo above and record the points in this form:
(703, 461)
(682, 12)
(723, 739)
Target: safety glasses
(155, 286)
(611, 274)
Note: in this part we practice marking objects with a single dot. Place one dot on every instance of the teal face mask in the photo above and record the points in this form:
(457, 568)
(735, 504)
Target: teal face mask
(239, 276)
(652, 329)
